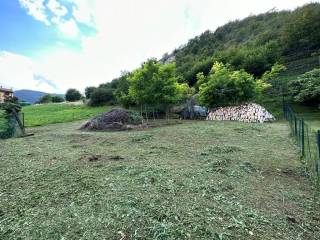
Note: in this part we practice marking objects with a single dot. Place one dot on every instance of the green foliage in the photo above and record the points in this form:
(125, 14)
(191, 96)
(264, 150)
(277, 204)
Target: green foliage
(135, 117)
(306, 89)
(73, 95)
(88, 91)
(302, 29)
(48, 98)
(102, 96)
(122, 91)
(57, 99)
(225, 87)
(45, 99)
(254, 44)
(156, 84)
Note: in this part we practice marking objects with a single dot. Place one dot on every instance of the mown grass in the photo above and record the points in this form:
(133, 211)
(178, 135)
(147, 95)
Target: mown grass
(44, 114)
(194, 180)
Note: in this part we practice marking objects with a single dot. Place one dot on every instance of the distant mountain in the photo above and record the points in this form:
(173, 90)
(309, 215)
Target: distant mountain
(30, 96)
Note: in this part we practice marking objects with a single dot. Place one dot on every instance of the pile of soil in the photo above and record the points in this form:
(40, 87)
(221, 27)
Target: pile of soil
(116, 119)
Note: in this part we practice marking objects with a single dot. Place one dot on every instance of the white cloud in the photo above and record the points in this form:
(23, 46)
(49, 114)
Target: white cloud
(36, 9)
(21, 72)
(56, 8)
(69, 28)
(83, 11)
(129, 32)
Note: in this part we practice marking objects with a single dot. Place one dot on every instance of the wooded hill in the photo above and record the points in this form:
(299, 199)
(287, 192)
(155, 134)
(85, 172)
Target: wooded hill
(255, 44)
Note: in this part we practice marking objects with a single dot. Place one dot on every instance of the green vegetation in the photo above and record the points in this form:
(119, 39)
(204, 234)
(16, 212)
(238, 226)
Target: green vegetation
(39, 115)
(101, 96)
(73, 95)
(48, 98)
(156, 85)
(306, 89)
(254, 43)
(225, 87)
(232, 181)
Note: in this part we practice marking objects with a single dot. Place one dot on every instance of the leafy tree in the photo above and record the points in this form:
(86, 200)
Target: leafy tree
(57, 99)
(156, 85)
(45, 99)
(306, 89)
(122, 91)
(225, 87)
(102, 96)
(88, 91)
(73, 95)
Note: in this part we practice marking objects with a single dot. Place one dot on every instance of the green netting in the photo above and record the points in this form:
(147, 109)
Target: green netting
(9, 127)
(308, 142)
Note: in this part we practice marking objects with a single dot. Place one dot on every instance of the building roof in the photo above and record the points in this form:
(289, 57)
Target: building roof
(5, 89)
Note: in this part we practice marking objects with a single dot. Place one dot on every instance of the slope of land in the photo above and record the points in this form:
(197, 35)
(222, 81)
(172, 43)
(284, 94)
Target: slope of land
(44, 114)
(195, 180)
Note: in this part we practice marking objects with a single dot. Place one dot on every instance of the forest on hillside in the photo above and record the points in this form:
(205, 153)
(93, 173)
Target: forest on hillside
(253, 53)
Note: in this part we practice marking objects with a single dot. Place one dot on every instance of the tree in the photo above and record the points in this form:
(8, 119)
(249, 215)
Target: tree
(225, 87)
(57, 99)
(45, 99)
(73, 95)
(156, 85)
(88, 91)
(306, 89)
(102, 96)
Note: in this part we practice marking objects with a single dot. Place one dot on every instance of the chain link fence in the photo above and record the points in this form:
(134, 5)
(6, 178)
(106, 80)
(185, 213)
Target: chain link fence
(308, 141)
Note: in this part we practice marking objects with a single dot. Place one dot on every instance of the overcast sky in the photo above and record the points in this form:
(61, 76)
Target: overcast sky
(53, 45)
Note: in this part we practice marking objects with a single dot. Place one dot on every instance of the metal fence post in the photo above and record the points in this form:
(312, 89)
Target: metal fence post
(295, 126)
(317, 164)
(302, 137)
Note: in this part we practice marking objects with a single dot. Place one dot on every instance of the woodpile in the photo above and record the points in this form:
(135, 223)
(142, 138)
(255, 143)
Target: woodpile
(249, 112)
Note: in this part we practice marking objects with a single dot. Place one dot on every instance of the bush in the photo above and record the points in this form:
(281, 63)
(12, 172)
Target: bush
(73, 95)
(88, 91)
(306, 89)
(135, 117)
(45, 99)
(102, 96)
(57, 99)
(225, 87)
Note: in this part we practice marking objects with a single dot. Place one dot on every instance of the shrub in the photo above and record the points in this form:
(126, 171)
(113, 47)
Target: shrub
(102, 96)
(73, 95)
(57, 99)
(225, 87)
(88, 91)
(306, 89)
(45, 99)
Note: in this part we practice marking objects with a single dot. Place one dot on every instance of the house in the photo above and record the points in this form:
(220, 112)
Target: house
(5, 93)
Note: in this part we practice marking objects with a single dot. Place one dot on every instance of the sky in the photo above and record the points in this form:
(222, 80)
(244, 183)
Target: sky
(53, 45)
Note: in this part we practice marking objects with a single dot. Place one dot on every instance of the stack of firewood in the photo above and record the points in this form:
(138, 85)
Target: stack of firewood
(250, 112)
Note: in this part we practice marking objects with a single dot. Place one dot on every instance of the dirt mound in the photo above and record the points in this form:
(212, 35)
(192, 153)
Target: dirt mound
(116, 119)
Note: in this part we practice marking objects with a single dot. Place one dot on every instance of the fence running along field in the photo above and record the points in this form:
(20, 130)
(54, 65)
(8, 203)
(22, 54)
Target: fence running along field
(308, 141)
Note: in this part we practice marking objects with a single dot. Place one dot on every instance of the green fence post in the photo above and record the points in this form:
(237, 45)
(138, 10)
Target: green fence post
(295, 126)
(317, 164)
(302, 137)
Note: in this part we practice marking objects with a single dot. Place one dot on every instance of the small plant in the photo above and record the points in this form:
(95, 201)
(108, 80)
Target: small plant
(135, 118)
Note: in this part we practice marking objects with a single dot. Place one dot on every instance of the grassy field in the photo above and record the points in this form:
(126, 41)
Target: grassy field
(44, 114)
(194, 180)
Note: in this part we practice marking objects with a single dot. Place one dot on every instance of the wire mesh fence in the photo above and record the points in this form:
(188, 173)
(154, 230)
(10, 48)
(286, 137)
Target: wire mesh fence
(308, 141)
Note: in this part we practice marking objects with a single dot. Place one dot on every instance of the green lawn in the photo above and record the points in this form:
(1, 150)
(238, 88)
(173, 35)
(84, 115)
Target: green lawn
(44, 114)
(194, 180)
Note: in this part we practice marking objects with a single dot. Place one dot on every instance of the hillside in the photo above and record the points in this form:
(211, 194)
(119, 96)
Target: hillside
(30, 96)
(255, 44)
